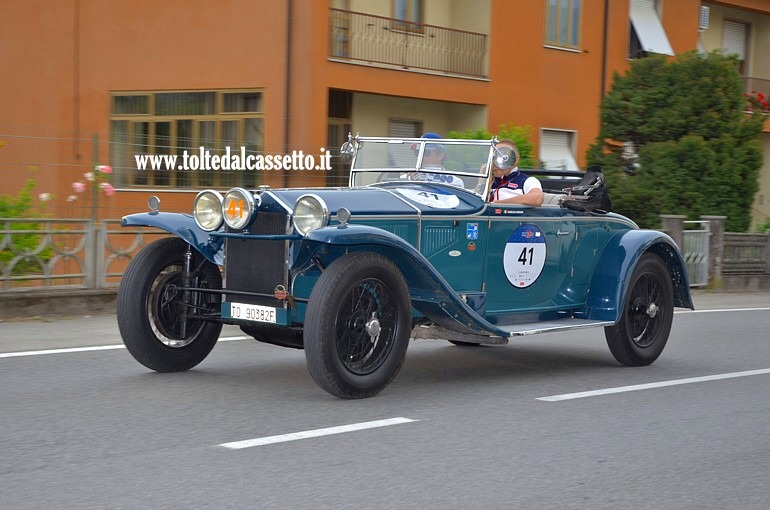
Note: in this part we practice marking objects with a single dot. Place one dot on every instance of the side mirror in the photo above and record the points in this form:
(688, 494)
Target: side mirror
(347, 152)
(505, 157)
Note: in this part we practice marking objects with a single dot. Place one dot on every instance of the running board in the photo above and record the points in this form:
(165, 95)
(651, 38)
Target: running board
(432, 331)
(533, 328)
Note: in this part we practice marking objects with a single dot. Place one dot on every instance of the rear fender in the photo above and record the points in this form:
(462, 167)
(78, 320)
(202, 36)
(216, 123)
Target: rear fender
(612, 277)
(182, 226)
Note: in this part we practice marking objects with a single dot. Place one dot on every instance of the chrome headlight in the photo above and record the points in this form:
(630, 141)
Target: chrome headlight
(310, 213)
(207, 210)
(238, 208)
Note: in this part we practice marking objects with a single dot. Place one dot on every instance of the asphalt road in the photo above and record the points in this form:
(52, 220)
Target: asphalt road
(90, 429)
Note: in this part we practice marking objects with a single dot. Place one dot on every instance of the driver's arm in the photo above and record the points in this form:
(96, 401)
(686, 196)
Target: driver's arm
(533, 198)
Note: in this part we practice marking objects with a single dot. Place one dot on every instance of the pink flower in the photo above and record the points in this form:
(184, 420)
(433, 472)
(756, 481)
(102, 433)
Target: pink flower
(105, 169)
(78, 187)
(89, 176)
(71, 198)
(44, 197)
(108, 189)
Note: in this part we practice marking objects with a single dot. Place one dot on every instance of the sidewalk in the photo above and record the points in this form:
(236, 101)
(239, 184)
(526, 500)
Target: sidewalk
(38, 333)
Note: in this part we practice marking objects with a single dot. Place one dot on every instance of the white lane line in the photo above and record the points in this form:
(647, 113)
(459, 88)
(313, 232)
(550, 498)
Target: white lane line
(720, 310)
(294, 436)
(649, 386)
(92, 348)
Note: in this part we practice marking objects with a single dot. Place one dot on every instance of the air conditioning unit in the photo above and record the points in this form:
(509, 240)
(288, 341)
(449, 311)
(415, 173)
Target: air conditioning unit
(703, 21)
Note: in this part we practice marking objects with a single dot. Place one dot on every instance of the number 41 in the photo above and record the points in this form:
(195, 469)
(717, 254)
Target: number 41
(523, 256)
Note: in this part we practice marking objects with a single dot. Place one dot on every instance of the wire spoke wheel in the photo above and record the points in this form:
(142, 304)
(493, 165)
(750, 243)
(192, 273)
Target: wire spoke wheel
(357, 325)
(642, 332)
(366, 327)
(163, 329)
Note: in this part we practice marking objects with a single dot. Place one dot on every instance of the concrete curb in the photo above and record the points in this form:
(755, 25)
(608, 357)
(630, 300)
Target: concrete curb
(56, 303)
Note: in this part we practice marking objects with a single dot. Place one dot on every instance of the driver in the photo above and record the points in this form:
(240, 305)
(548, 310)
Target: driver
(433, 159)
(512, 186)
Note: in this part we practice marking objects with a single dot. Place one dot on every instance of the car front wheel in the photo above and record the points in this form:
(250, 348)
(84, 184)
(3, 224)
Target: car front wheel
(642, 332)
(357, 325)
(162, 329)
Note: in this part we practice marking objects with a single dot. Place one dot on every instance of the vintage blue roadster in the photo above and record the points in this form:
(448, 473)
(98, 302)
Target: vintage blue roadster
(351, 274)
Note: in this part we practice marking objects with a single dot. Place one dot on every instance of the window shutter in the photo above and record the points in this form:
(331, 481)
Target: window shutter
(556, 150)
(734, 39)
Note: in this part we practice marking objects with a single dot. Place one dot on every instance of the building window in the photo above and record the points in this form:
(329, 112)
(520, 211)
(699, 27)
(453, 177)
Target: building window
(557, 150)
(562, 23)
(408, 15)
(174, 123)
(734, 37)
(646, 33)
(403, 155)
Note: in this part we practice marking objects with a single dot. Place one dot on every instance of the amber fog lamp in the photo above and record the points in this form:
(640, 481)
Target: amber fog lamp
(310, 213)
(238, 208)
(207, 210)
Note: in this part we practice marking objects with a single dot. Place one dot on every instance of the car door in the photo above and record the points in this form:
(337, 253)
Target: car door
(530, 253)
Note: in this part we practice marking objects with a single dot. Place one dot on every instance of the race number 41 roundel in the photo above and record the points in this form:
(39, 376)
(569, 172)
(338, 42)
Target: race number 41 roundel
(524, 256)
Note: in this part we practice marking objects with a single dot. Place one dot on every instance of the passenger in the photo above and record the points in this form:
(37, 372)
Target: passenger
(511, 186)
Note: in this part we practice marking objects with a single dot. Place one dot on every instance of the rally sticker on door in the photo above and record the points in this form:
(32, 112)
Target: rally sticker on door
(524, 256)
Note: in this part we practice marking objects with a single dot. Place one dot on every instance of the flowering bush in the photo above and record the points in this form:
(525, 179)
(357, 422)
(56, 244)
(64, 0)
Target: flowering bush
(100, 179)
(757, 101)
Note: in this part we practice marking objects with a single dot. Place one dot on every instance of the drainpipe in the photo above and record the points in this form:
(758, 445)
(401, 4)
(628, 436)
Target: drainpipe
(288, 89)
(604, 48)
(76, 77)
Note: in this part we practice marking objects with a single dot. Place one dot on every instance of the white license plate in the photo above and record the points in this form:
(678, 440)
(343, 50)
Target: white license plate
(255, 313)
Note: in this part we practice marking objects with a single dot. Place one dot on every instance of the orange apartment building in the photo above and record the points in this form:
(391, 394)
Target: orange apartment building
(91, 82)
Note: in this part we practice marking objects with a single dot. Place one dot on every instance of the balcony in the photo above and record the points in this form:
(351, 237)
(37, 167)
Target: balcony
(388, 42)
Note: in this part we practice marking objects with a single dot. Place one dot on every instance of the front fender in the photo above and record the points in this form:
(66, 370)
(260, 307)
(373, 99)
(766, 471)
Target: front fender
(431, 294)
(180, 225)
(612, 277)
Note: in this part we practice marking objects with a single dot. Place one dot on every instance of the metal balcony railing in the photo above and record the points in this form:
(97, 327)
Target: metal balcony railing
(757, 85)
(378, 40)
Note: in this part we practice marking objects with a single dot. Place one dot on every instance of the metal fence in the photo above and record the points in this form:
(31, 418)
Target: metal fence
(44, 253)
(695, 250)
(67, 254)
(374, 39)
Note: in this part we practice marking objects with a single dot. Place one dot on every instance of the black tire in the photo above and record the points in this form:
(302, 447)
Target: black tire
(149, 307)
(343, 355)
(648, 309)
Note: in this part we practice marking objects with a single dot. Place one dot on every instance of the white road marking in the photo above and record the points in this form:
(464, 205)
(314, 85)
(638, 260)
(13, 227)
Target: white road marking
(295, 436)
(87, 349)
(722, 310)
(649, 386)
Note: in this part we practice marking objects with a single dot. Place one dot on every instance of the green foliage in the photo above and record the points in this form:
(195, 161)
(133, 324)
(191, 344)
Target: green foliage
(519, 134)
(21, 206)
(697, 152)
(763, 227)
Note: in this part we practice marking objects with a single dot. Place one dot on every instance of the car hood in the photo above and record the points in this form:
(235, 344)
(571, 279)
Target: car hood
(390, 199)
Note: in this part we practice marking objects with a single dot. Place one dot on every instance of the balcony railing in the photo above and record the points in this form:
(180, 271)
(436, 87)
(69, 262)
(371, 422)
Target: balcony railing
(378, 40)
(757, 85)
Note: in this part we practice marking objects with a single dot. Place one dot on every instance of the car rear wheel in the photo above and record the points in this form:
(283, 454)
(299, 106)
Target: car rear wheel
(645, 323)
(357, 325)
(161, 330)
